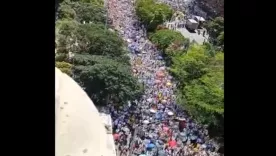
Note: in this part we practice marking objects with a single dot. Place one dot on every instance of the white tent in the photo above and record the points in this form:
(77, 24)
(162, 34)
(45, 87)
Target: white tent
(192, 21)
(198, 18)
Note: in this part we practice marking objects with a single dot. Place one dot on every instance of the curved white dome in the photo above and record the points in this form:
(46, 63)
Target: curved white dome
(79, 128)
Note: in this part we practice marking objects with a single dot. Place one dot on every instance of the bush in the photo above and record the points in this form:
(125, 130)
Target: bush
(152, 14)
(65, 67)
(201, 89)
(165, 37)
(66, 12)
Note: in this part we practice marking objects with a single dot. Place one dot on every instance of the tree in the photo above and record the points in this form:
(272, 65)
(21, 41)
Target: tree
(215, 29)
(67, 27)
(85, 59)
(65, 38)
(66, 12)
(220, 40)
(152, 14)
(191, 65)
(83, 11)
(89, 12)
(99, 41)
(165, 37)
(88, 38)
(65, 67)
(96, 2)
(205, 98)
(201, 89)
(106, 80)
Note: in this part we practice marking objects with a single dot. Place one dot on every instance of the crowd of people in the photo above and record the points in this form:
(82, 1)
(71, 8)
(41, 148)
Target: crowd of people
(153, 125)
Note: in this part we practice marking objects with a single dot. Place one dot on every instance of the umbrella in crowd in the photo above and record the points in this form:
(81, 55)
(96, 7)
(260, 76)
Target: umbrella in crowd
(172, 143)
(170, 113)
(160, 58)
(146, 121)
(154, 124)
(150, 146)
(160, 74)
(116, 136)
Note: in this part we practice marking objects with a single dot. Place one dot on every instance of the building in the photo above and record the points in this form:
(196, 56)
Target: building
(79, 127)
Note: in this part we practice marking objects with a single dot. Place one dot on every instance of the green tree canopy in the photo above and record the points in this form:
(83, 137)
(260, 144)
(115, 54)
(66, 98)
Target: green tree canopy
(152, 14)
(95, 2)
(65, 38)
(65, 67)
(88, 38)
(106, 80)
(165, 37)
(89, 12)
(215, 29)
(191, 65)
(205, 96)
(83, 11)
(100, 42)
(201, 90)
(67, 27)
(66, 12)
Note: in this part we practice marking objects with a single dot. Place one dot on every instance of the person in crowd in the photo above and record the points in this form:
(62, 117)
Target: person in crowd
(147, 125)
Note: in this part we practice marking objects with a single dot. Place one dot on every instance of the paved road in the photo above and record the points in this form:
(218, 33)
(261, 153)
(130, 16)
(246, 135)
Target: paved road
(193, 36)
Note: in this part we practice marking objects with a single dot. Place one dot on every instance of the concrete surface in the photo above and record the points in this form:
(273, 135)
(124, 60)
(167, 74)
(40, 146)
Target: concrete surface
(193, 36)
(79, 128)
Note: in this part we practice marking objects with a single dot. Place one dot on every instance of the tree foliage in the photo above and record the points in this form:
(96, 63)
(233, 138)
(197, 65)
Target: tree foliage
(67, 27)
(65, 67)
(201, 89)
(66, 12)
(215, 29)
(191, 65)
(106, 80)
(89, 12)
(205, 96)
(65, 38)
(88, 38)
(86, 11)
(97, 57)
(165, 37)
(99, 41)
(95, 2)
(152, 14)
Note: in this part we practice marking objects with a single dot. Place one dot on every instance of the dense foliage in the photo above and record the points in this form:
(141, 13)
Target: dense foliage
(82, 12)
(165, 37)
(106, 79)
(215, 29)
(170, 42)
(201, 77)
(65, 67)
(152, 14)
(96, 58)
